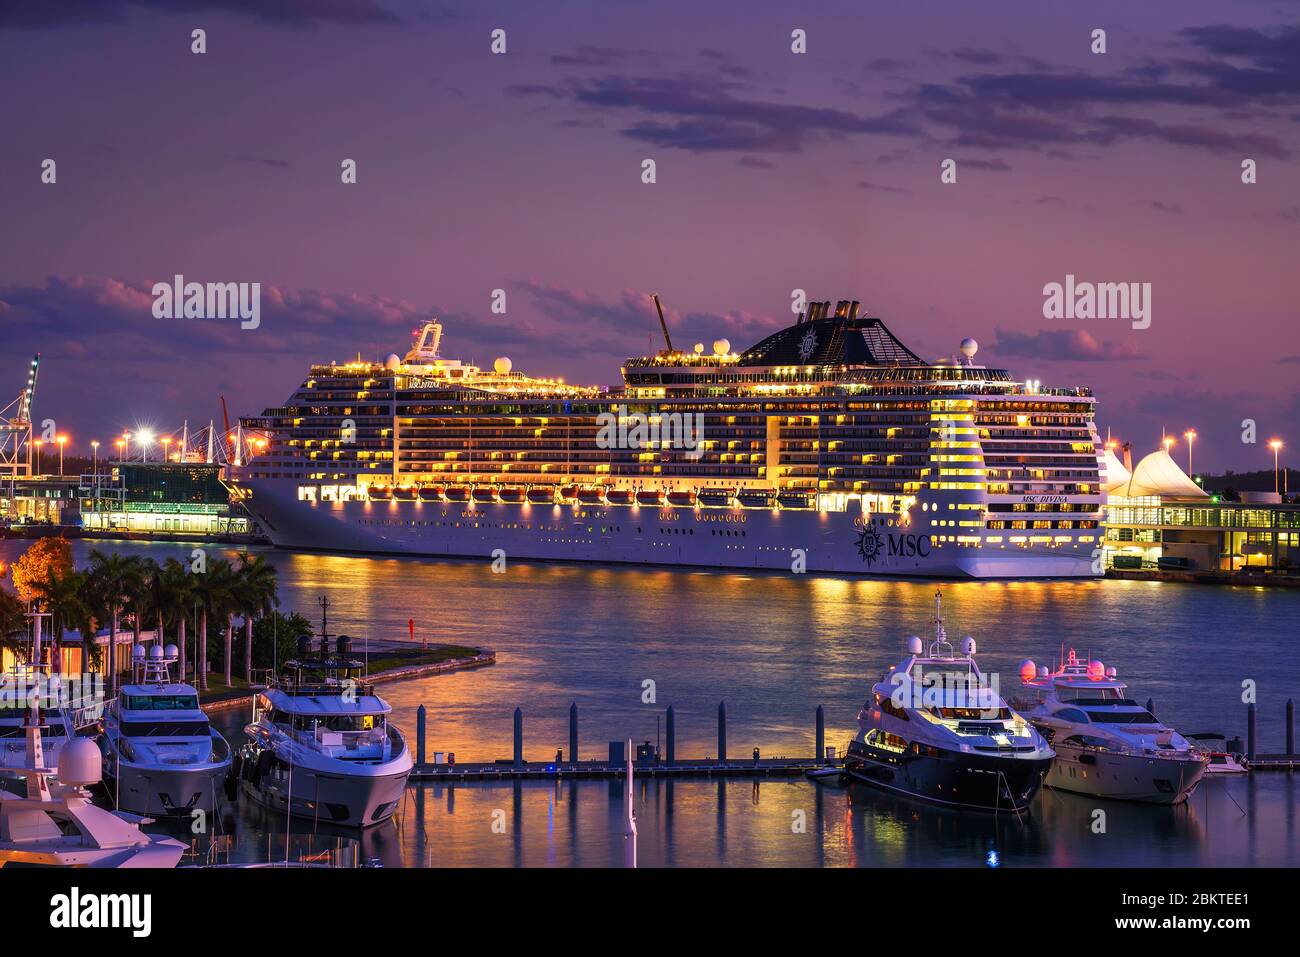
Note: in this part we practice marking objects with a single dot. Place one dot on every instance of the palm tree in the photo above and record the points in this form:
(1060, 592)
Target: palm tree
(173, 593)
(212, 589)
(137, 591)
(13, 621)
(257, 594)
(63, 597)
(110, 577)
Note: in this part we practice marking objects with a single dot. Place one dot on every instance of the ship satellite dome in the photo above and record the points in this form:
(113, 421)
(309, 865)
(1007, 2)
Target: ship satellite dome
(721, 347)
(969, 347)
(699, 348)
(392, 362)
(80, 763)
(171, 652)
(155, 652)
(1028, 670)
(914, 645)
(968, 645)
(1042, 671)
(1096, 669)
(137, 652)
(1111, 672)
(503, 365)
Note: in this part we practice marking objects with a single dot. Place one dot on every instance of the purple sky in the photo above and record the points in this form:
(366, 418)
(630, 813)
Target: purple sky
(775, 171)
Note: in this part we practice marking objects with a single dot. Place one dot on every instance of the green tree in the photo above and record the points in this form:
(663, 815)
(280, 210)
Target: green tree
(213, 590)
(173, 596)
(63, 597)
(256, 595)
(109, 580)
(13, 622)
(275, 638)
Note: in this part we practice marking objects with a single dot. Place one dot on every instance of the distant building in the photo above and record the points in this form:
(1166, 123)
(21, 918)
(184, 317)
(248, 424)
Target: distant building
(1157, 517)
(167, 499)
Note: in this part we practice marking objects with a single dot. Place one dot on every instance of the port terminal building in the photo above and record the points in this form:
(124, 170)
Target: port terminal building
(1159, 518)
(126, 499)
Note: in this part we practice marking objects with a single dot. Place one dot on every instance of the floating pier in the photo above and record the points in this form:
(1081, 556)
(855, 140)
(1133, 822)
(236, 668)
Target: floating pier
(648, 761)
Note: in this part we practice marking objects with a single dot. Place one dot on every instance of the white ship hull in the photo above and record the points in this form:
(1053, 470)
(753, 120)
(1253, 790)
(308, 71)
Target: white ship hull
(843, 542)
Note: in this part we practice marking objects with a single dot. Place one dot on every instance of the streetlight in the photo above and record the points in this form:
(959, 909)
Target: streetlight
(62, 440)
(121, 445)
(94, 468)
(126, 445)
(1169, 442)
(166, 441)
(143, 438)
(1190, 436)
(38, 443)
(1276, 446)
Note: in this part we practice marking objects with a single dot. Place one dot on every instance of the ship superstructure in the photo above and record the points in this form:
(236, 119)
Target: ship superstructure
(828, 444)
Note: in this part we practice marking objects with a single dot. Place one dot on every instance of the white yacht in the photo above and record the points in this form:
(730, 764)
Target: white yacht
(936, 729)
(1107, 745)
(54, 824)
(321, 746)
(61, 710)
(161, 756)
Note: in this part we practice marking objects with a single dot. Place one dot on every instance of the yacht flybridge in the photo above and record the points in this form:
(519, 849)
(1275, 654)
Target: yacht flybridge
(54, 824)
(320, 744)
(161, 756)
(1107, 745)
(61, 713)
(936, 729)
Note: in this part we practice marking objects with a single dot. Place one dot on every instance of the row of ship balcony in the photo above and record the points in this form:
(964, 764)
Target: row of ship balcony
(576, 494)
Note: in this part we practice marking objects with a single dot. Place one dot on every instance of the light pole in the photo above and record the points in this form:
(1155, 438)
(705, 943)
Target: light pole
(38, 445)
(62, 440)
(1276, 446)
(166, 440)
(1169, 442)
(1190, 436)
(126, 445)
(94, 470)
(143, 439)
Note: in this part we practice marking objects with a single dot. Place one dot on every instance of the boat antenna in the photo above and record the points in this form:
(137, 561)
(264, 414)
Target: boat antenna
(662, 324)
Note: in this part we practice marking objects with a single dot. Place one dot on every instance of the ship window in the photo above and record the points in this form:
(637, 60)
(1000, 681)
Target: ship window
(1123, 717)
(1072, 714)
(165, 729)
(160, 702)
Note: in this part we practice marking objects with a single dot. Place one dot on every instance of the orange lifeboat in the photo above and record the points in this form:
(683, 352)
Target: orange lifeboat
(620, 496)
(430, 493)
(486, 493)
(541, 495)
(683, 499)
(592, 496)
(650, 498)
(568, 493)
(457, 493)
(379, 493)
(512, 493)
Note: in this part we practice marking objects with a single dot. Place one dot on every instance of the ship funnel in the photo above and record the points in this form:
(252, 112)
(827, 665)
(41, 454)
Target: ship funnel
(853, 309)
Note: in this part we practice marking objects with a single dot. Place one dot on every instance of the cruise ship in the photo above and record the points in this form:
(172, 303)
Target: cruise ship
(829, 446)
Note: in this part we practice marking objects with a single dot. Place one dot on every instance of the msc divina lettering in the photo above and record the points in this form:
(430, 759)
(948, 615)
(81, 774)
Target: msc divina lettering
(827, 447)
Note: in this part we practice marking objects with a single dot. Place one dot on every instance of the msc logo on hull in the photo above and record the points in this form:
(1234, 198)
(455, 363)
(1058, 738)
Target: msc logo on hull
(872, 547)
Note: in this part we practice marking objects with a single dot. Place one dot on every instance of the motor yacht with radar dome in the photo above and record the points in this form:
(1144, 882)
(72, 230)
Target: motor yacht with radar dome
(161, 755)
(1107, 745)
(321, 745)
(936, 729)
(830, 431)
(54, 823)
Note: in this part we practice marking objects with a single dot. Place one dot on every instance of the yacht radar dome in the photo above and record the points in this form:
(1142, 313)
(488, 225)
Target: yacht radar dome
(914, 645)
(699, 348)
(137, 653)
(1043, 671)
(721, 347)
(503, 365)
(1096, 669)
(968, 646)
(80, 763)
(969, 347)
(1028, 670)
(1111, 672)
(171, 652)
(392, 362)
(155, 653)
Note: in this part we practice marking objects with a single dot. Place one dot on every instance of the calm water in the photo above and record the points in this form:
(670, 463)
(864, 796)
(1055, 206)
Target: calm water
(774, 648)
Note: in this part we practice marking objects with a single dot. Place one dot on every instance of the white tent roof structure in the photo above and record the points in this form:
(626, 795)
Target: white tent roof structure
(1159, 475)
(1116, 474)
